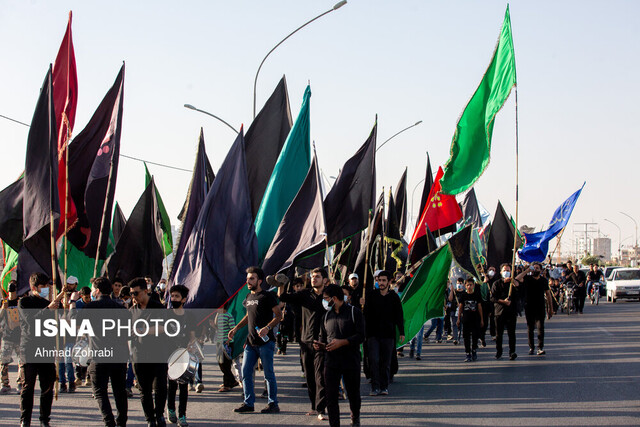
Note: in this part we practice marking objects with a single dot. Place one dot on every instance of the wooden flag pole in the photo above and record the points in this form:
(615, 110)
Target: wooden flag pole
(515, 231)
(366, 261)
(557, 244)
(104, 215)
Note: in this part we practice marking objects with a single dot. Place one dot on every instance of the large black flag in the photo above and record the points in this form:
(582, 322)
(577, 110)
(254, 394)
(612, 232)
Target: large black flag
(500, 241)
(351, 198)
(11, 214)
(470, 209)
(460, 244)
(373, 241)
(201, 181)
(40, 196)
(422, 247)
(93, 169)
(303, 227)
(223, 241)
(139, 249)
(118, 224)
(393, 238)
(264, 140)
(428, 183)
(400, 198)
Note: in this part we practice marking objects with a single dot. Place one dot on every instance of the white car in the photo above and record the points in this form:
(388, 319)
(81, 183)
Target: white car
(624, 283)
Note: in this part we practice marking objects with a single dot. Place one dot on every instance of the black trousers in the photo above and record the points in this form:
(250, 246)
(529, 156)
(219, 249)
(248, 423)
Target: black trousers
(313, 365)
(489, 320)
(580, 296)
(152, 378)
(535, 320)
(100, 374)
(228, 380)
(47, 374)
(471, 333)
(509, 322)
(184, 396)
(351, 379)
(380, 354)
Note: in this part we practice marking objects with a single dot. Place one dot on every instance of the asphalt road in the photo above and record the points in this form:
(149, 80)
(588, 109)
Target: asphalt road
(589, 376)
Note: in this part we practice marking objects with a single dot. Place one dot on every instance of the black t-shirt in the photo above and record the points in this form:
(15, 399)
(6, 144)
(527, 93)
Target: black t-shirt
(188, 324)
(259, 308)
(10, 323)
(594, 276)
(470, 303)
(534, 291)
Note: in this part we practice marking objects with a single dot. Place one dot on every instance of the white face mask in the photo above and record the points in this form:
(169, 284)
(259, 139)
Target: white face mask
(491, 273)
(44, 292)
(459, 286)
(506, 274)
(127, 301)
(326, 305)
(346, 298)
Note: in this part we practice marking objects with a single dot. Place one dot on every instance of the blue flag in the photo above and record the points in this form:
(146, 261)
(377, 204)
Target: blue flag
(223, 241)
(537, 244)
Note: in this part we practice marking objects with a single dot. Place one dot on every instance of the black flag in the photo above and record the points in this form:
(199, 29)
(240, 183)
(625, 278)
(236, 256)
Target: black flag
(371, 240)
(428, 183)
(470, 209)
(40, 202)
(348, 203)
(264, 140)
(393, 238)
(460, 244)
(11, 215)
(118, 224)
(500, 241)
(422, 247)
(93, 169)
(302, 229)
(400, 198)
(201, 182)
(139, 250)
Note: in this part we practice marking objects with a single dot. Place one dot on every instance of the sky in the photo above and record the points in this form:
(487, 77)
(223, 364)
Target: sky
(577, 65)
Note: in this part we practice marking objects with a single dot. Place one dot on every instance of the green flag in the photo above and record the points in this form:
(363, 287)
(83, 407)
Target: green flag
(471, 145)
(80, 265)
(167, 239)
(10, 258)
(287, 177)
(423, 298)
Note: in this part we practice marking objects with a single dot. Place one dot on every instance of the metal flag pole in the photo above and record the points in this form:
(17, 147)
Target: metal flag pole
(515, 231)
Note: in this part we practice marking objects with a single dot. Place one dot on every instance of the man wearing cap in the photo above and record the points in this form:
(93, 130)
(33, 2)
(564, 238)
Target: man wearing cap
(313, 312)
(10, 333)
(65, 365)
(356, 289)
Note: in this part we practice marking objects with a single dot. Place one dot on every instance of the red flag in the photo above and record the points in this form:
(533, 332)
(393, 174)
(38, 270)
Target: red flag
(440, 211)
(65, 99)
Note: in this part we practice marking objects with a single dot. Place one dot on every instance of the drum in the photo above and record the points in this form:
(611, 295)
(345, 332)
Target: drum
(80, 352)
(182, 365)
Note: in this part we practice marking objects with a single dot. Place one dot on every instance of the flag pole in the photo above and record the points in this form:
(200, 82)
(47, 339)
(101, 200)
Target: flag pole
(366, 262)
(166, 263)
(326, 243)
(66, 195)
(104, 215)
(515, 231)
(557, 244)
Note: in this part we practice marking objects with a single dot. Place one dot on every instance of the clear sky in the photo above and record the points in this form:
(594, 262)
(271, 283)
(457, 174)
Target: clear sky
(578, 86)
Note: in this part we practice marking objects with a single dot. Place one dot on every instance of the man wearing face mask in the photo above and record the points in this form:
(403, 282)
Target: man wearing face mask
(313, 312)
(537, 296)
(341, 333)
(487, 306)
(10, 330)
(383, 314)
(30, 308)
(504, 297)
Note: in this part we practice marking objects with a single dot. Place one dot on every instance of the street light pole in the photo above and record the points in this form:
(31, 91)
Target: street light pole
(635, 248)
(619, 237)
(255, 81)
(191, 107)
(405, 129)
(413, 193)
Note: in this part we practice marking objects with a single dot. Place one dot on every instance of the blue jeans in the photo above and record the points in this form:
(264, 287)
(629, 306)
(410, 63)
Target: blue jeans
(437, 324)
(66, 366)
(417, 340)
(250, 358)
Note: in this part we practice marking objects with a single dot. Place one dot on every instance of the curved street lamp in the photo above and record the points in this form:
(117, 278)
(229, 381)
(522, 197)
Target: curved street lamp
(255, 81)
(405, 129)
(619, 236)
(635, 248)
(191, 107)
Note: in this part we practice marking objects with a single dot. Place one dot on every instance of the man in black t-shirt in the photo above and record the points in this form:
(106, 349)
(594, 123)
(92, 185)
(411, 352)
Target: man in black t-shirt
(504, 294)
(593, 276)
(263, 314)
(537, 298)
(470, 312)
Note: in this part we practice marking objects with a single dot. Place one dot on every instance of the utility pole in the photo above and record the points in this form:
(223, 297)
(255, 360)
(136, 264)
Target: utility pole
(586, 236)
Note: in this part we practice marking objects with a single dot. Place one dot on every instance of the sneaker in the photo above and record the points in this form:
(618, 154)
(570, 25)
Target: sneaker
(468, 358)
(383, 392)
(5, 389)
(411, 354)
(224, 389)
(182, 421)
(322, 416)
(426, 340)
(513, 356)
(271, 408)
(374, 392)
(455, 342)
(439, 341)
(530, 351)
(86, 383)
(493, 338)
(72, 388)
(244, 408)
(199, 387)
(541, 352)
(498, 355)
(63, 388)
(449, 337)
(171, 414)
(400, 354)
(418, 357)
(129, 392)
(474, 356)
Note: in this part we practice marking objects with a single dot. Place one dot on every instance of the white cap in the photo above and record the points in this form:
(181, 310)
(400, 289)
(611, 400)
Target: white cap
(72, 280)
(353, 276)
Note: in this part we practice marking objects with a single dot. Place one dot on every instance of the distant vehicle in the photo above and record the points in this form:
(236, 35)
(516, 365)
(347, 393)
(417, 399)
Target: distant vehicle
(624, 283)
(608, 270)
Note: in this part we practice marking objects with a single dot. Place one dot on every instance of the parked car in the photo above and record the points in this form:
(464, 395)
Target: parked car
(624, 283)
